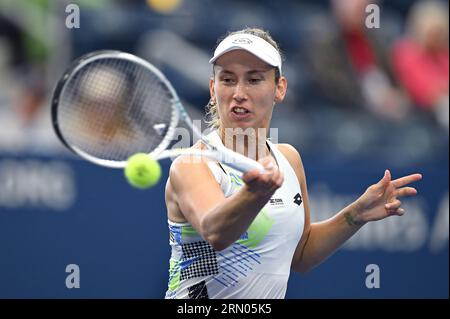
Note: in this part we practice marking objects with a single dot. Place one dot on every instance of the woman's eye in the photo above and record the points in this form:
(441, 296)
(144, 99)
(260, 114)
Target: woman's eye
(227, 80)
(255, 81)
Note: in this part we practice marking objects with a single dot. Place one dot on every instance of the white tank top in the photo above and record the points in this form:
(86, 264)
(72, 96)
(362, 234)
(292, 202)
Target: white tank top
(257, 265)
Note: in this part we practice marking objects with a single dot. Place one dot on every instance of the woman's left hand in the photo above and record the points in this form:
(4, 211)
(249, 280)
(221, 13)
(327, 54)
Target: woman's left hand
(381, 200)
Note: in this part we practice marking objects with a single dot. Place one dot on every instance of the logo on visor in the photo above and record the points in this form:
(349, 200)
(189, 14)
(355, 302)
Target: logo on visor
(242, 41)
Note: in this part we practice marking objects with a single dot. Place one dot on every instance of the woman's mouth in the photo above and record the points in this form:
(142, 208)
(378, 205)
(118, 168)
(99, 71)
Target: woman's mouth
(240, 113)
(239, 110)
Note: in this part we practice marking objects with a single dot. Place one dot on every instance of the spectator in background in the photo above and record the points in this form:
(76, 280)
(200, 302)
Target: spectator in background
(421, 59)
(350, 62)
(26, 60)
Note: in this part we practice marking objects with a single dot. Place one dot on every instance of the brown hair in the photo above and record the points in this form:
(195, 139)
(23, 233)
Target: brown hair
(212, 116)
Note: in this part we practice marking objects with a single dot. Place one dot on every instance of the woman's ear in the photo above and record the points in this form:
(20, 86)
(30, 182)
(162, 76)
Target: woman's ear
(281, 88)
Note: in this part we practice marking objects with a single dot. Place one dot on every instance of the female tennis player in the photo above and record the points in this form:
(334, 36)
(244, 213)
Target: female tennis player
(239, 236)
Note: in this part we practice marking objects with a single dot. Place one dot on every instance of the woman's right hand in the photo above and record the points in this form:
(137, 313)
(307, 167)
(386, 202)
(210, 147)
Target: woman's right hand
(267, 182)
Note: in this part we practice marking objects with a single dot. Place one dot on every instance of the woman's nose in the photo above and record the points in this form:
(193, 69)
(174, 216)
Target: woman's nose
(240, 92)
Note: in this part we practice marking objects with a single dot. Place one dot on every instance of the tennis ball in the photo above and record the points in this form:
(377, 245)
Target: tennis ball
(142, 171)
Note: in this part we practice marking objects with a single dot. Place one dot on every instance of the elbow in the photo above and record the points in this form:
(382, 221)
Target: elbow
(217, 241)
(218, 244)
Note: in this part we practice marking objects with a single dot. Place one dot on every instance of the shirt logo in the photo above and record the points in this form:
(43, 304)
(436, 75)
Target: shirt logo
(276, 202)
(298, 199)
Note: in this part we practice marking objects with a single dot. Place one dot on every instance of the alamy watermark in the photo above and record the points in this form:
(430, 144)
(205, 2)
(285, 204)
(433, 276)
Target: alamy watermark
(373, 277)
(73, 16)
(373, 18)
(73, 279)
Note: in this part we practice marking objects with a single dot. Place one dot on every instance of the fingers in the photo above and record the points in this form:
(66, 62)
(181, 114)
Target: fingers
(406, 191)
(270, 179)
(387, 177)
(393, 188)
(278, 181)
(398, 212)
(271, 172)
(399, 182)
(384, 182)
(394, 208)
(402, 181)
(394, 205)
(268, 164)
(250, 176)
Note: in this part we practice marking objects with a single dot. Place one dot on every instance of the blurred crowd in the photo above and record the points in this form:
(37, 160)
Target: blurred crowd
(354, 91)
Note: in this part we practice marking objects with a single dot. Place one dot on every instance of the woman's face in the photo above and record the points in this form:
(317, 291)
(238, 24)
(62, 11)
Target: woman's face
(245, 91)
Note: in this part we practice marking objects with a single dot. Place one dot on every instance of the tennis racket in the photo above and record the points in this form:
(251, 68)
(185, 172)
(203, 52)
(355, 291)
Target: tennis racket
(109, 105)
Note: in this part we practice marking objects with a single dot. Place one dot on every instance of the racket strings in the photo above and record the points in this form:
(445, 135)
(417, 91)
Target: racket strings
(112, 108)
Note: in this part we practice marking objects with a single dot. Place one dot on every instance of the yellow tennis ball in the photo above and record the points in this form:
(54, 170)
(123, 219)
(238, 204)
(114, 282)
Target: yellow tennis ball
(142, 171)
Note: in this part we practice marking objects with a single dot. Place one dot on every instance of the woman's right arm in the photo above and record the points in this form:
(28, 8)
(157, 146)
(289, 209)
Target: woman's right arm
(219, 220)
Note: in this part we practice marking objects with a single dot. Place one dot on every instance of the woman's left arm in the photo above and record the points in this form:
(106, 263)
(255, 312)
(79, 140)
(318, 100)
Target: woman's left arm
(320, 240)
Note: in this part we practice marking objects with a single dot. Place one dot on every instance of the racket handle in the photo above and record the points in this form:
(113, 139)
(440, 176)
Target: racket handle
(238, 161)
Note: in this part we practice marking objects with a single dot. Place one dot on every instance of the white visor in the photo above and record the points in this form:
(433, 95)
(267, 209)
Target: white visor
(251, 43)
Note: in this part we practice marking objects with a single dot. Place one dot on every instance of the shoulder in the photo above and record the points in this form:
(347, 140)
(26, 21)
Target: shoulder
(189, 175)
(287, 148)
(186, 169)
(291, 154)
(294, 158)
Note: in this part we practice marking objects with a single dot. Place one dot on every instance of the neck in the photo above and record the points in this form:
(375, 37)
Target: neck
(248, 142)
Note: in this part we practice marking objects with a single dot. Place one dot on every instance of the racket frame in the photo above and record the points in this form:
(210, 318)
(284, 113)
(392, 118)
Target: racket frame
(216, 152)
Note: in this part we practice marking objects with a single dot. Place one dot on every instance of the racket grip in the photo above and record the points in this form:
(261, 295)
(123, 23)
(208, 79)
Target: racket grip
(238, 161)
